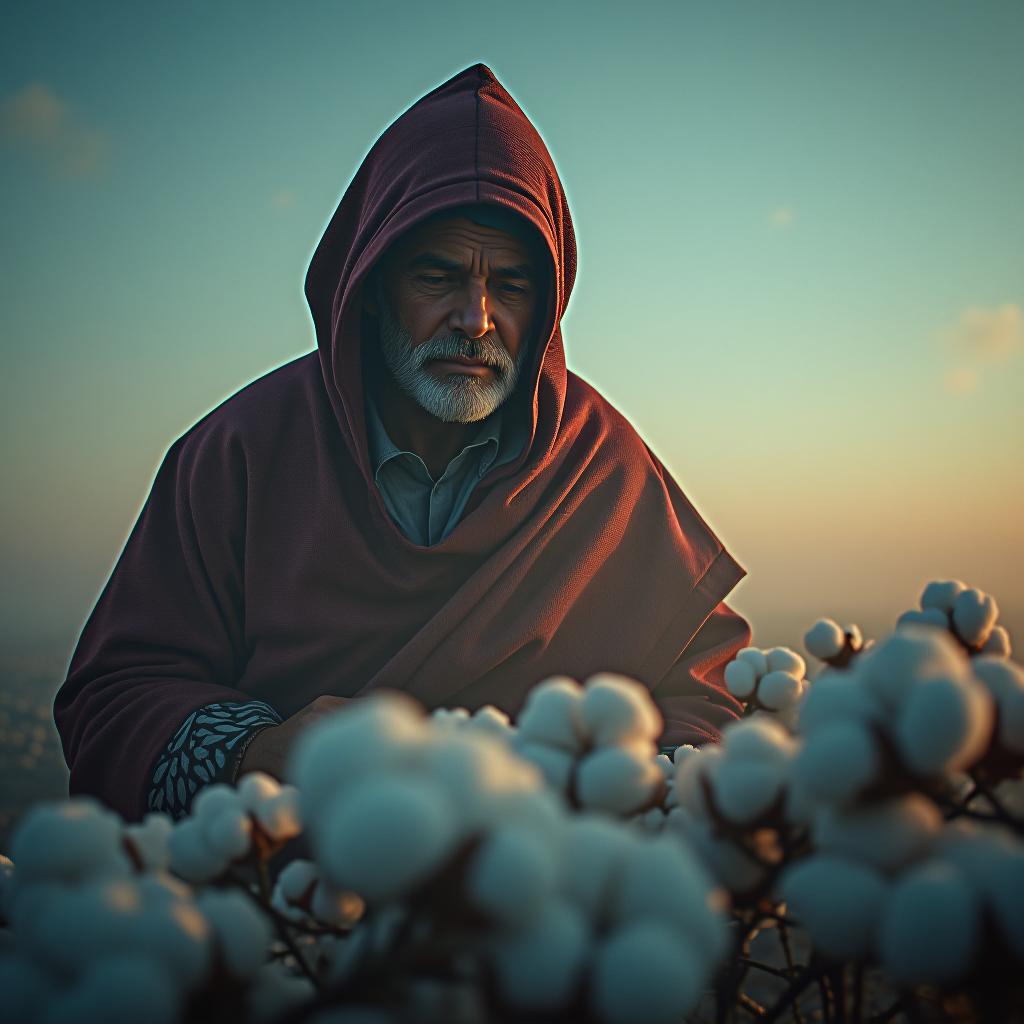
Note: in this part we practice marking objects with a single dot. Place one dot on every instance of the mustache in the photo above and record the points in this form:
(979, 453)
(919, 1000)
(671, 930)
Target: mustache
(484, 349)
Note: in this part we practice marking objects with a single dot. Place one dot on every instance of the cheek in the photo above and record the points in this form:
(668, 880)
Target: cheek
(420, 318)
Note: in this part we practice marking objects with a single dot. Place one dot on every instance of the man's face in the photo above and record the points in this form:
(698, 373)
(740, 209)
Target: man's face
(456, 303)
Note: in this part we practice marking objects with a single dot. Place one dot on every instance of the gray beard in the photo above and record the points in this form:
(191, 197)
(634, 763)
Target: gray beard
(454, 398)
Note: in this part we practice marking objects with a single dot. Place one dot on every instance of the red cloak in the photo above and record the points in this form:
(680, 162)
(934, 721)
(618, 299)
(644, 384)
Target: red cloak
(264, 563)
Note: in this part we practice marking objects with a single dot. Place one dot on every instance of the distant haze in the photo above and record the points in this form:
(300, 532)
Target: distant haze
(801, 236)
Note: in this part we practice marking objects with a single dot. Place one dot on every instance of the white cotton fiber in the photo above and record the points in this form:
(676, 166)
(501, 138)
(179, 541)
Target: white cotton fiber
(758, 738)
(925, 617)
(945, 725)
(553, 715)
(512, 875)
(930, 927)
(26, 988)
(998, 643)
(149, 841)
(227, 833)
(837, 761)
(385, 835)
(646, 972)
(123, 989)
(779, 691)
(974, 615)
(690, 775)
(297, 879)
(888, 835)
(1005, 890)
(192, 856)
(69, 842)
(211, 800)
(618, 779)
(663, 880)
(383, 730)
(837, 696)
(240, 931)
(745, 790)
(539, 967)
(491, 721)
(595, 853)
(756, 657)
(782, 659)
(726, 861)
(278, 816)
(1005, 681)
(825, 639)
(837, 901)
(555, 764)
(617, 709)
(682, 752)
(740, 678)
(893, 667)
(941, 594)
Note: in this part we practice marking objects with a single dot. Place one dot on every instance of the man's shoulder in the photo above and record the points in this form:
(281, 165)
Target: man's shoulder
(590, 404)
(288, 396)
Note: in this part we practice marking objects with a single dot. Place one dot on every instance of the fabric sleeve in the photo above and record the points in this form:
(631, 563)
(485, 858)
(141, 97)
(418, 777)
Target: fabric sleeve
(208, 747)
(167, 634)
(693, 697)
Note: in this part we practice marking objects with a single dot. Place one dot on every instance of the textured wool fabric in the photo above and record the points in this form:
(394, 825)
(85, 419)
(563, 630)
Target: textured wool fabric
(265, 566)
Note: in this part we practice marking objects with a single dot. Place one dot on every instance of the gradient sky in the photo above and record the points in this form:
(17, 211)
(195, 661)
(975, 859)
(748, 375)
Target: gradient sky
(801, 234)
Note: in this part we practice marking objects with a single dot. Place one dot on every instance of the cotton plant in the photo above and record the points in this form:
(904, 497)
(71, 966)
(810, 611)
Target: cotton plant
(967, 613)
(833, 644)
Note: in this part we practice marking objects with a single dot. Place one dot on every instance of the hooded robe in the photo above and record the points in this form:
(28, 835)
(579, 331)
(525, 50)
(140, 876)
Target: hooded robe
(265, 565)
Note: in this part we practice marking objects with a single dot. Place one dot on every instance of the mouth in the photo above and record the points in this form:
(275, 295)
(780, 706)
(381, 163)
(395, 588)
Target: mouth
(461, 365)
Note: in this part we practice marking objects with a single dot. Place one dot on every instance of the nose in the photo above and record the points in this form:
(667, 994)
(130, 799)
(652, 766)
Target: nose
(471, 315)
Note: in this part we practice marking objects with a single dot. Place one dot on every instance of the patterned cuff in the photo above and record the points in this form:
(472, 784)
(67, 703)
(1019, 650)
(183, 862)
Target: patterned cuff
(207, 748)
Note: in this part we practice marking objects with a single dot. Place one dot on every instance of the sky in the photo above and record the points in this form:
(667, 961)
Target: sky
(801, 274)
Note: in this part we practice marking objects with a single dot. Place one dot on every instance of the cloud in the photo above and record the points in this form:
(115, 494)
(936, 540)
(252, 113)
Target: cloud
(979, 338)
(283, 198)
(782, 217)
(38, 122)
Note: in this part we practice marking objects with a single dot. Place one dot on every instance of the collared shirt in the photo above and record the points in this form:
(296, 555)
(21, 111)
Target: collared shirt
(424, 509)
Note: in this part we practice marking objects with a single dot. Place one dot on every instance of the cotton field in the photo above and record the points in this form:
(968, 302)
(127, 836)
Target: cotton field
(865, 819)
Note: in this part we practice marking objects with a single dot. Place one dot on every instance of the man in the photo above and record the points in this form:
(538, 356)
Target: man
(429, 502)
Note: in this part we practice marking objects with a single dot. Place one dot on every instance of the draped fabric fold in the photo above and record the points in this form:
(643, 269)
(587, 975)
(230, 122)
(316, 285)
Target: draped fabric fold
(264, 564)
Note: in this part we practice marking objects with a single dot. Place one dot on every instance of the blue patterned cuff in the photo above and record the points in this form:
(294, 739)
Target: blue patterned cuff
(207, 748)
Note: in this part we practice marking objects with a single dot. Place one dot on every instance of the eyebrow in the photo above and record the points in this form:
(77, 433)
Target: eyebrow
(436, 262)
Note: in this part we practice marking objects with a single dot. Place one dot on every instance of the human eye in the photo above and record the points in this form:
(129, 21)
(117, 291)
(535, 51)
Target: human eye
(434, 279)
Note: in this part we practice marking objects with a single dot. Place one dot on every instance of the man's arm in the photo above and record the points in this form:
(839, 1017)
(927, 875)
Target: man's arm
(693, 696)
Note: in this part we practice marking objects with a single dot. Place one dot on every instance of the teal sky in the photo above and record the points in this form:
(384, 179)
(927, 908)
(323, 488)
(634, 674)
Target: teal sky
(801, 234)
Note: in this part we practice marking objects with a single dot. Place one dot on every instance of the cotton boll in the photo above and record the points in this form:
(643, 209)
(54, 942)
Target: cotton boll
(242, 934)
(26, 989)
(925, 617)
(384, 730)
(945, 725)
(69, 841)
(553, 715)
(538, 968)
(647, 972)
(668, 769)
(825, 639)
(278, 817)
(617, 779)
(596, 850)
(492, 721)
(149, 841)
(929, 927)
(663, 880)
(192, 856)
(1005, 681)
(837, 901)
(886, 835)
(512, 876)
(689, 788)
(540, 811)
(779, 691)
(555, 764)
(617, 709)
(214, 799)
(296, 879)
(338, 908)
(740, 678)
(837, 696)
(893, 667)
(682, 752)
(256, 788)
(782, 659)
(745, 790)
(385, 835)
(942, 594)
(727, 862)
(228, 834)
(124, 989)
(1005, 890)
(756, 657)
(974, 615)
(837, 761)
(998, 643)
